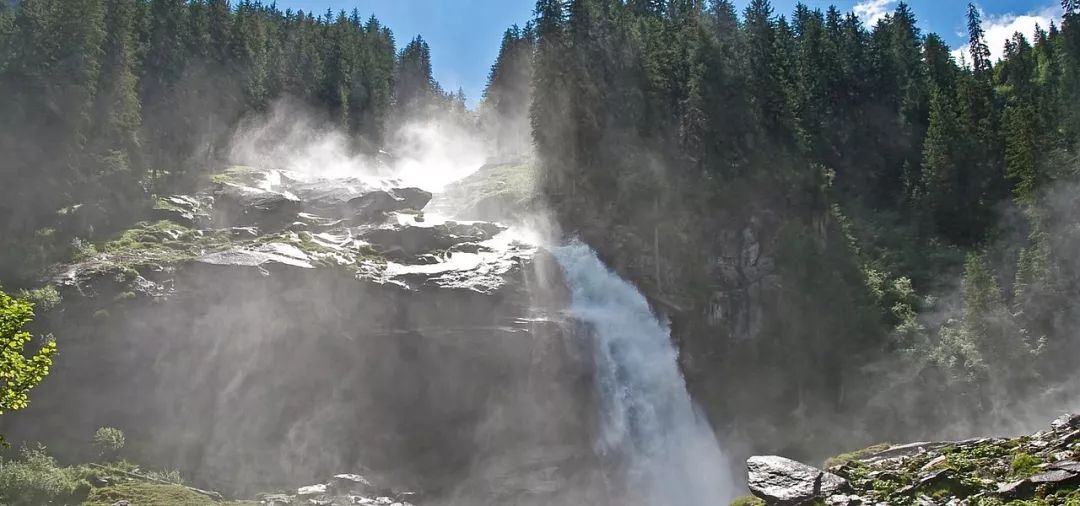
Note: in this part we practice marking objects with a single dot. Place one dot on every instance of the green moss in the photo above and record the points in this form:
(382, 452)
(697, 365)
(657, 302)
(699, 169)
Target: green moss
(844, 458)
(239, 175)
(747, 500)
(1024, 465)
(513, 184)
(147, 494)
(35, 479)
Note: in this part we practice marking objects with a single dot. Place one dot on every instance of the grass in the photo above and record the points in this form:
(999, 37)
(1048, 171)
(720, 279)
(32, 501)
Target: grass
(747, 500)
(1024, 465)
(36, 479)
(239, 175)
(863, 453)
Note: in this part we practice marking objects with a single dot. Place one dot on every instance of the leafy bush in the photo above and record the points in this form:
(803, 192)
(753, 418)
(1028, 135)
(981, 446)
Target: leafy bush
(108, 441)
(34, 479)
(19, 373)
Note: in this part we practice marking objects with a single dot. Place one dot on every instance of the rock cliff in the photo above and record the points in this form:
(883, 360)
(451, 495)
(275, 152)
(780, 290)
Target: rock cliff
(276, 328)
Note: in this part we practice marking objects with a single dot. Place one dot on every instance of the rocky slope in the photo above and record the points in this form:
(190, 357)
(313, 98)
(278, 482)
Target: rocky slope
(1040, 469)
(276, 328)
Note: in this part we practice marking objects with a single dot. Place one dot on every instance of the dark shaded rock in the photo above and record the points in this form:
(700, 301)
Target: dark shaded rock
(782, 481)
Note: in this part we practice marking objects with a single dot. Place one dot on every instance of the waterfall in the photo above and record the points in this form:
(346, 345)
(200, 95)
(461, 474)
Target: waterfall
(648, 421)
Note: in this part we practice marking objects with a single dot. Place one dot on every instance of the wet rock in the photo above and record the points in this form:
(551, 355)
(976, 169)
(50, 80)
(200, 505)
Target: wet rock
(183, 209)
(311, 490)
(245, 205)
(276, 500)
(782, 481)
(381, 202)
(411, 240)
(352, 484)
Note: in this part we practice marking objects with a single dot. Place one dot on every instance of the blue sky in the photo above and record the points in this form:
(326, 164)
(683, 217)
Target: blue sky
(465, 34)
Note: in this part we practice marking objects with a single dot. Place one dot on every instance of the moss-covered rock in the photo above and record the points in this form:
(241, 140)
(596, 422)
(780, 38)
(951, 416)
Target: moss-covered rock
(1036, 470)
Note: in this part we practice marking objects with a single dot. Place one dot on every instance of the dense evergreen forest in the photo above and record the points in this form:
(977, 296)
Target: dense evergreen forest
(843, 215)
(104, 103)
(907, 221)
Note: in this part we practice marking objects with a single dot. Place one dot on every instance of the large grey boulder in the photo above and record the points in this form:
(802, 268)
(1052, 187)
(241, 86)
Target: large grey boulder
(785, 482)
(246, 205)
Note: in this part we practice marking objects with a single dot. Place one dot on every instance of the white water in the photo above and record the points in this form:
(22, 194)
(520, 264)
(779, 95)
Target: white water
(648, 421)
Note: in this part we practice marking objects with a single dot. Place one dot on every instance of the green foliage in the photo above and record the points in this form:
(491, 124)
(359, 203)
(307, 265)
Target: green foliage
(44, 298)
(747, 501)
(863, 167)
(19, 373)
(108, 441)
(1024, 465)
(845, 458)
(35, 479)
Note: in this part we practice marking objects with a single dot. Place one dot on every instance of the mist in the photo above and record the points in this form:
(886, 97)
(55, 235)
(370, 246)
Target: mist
(279, 258)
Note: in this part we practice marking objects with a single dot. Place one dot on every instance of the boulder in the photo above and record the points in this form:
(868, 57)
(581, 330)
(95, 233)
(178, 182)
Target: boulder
(782, 481)
(246, 205)
(1066, 422)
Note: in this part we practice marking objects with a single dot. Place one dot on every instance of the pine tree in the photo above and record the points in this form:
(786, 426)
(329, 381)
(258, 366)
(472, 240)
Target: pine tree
(980, 53)
(1021, 152)
(415, 84)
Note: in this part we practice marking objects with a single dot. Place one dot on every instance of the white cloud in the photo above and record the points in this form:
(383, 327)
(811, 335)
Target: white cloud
(1001, 27)
(871, 11)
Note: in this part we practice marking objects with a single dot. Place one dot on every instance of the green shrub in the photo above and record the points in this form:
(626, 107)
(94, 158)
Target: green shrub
(19, 373)
(108, 441)
(1024, 464)
(34, 479)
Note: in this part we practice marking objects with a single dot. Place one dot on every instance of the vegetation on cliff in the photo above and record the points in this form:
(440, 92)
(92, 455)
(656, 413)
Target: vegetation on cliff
(1040, 469)
(881, 236)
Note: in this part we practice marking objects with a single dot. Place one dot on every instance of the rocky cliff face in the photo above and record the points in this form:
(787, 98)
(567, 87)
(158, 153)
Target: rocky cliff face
(277, 328)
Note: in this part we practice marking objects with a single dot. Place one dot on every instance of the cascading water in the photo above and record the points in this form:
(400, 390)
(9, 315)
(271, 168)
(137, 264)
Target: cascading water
(648, 421)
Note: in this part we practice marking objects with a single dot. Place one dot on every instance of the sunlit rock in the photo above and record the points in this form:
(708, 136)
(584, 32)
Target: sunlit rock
(784, 482)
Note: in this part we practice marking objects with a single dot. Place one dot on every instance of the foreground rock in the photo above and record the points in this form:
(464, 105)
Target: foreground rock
(1036, 470)
(786, 482)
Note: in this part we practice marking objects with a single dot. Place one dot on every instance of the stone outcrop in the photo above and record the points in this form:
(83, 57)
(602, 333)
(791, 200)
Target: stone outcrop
(275, 328)
(1040, 469)
(786, 482)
